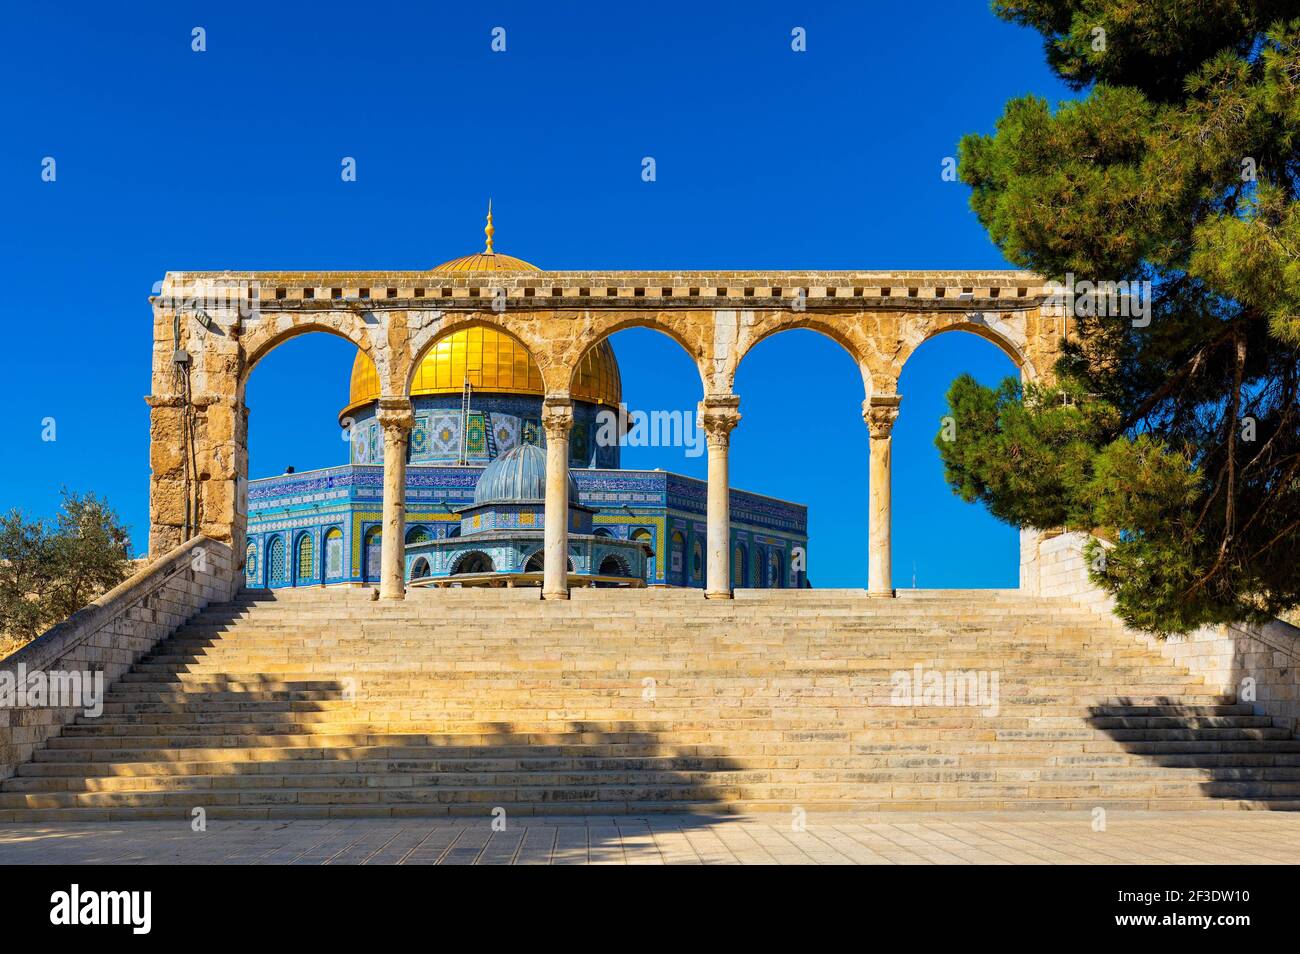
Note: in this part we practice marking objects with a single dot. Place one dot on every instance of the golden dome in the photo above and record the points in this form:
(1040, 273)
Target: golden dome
(487, 260)
(493, 362)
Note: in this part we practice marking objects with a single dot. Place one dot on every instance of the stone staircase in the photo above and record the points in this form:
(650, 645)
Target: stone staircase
(316, 703)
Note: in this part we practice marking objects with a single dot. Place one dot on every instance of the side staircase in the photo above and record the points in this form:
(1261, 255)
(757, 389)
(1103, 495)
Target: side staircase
(322, 703)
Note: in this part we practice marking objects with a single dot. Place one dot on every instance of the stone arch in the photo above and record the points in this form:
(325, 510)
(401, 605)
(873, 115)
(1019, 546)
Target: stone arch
(428, 336)
(273, 332)
(602, 326)
(999, 329)
(420, 568)
(845, 334)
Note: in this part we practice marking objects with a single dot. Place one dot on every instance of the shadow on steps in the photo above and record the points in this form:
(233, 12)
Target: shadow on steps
(1233, 753)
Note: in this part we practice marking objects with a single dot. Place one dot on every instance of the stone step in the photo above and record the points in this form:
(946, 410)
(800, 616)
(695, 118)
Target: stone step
(323, 703)
(711, 789)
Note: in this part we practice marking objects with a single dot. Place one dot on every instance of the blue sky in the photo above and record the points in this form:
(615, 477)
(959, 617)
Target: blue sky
(766, 158)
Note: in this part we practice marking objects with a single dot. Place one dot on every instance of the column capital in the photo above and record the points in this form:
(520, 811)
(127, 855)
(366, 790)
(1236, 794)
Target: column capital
(879, 412)
(719, 413)
(395, 415)
(557, 417)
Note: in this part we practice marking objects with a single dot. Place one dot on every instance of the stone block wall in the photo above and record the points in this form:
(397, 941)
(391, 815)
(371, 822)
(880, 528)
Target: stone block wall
(111, 633)
(1259, 665)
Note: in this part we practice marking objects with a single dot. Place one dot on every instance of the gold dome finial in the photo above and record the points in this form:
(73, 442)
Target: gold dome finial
(489, 230)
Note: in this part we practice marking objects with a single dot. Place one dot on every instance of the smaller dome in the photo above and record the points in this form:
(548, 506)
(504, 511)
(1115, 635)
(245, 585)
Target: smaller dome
(518, 476)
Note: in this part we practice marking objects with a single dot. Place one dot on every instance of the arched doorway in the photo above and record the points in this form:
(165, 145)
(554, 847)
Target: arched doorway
(613, 566)
(476, 561)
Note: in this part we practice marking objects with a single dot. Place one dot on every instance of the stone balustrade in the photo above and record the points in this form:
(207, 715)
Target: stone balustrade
(110, 634)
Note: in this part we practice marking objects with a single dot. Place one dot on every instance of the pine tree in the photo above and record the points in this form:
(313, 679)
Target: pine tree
(1176, 438)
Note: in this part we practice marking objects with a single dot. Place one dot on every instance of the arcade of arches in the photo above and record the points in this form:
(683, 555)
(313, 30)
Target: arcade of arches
(212, 328)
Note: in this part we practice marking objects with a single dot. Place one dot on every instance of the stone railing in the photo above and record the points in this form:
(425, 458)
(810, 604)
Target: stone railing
(1254, 664)
(109, 635)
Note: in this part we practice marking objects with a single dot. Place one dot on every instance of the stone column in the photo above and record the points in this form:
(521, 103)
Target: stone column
(880, 411)
(397, 418)
(719, 415)
(557, 420)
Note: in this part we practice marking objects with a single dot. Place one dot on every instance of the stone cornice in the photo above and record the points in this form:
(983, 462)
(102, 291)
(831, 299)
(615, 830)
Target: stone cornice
(667, 290)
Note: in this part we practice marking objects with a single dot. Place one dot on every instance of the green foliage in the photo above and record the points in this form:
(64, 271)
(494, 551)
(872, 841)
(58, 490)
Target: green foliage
(1178, 439)
(49, 570)
(1023, 450)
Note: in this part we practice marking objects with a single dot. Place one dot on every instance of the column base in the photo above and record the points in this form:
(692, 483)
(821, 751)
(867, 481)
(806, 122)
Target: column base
(717, 594)
(558, 595)
(882, 594)
(390, 595)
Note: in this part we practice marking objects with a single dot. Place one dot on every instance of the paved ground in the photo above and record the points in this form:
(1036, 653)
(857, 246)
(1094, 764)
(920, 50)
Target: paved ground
(1211, 837)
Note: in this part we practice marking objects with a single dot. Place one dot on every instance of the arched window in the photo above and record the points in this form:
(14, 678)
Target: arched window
(250, 564)
(334, 554)
(418, 534)
(697, 560)
(374, 543)
(453, 531)
(306, 558)
(602, 532)
(535, 563)
(420, 568)
(738, 558)
(276, 563)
